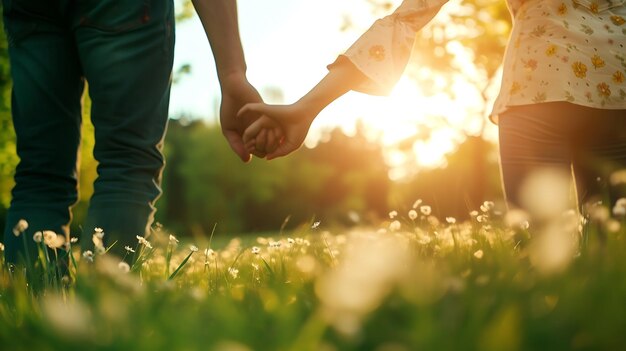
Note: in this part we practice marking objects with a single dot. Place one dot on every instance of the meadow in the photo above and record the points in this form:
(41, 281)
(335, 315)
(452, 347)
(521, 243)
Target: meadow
(414, 283)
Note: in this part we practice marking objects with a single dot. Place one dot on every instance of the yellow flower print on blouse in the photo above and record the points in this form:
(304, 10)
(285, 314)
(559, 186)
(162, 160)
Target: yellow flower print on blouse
(604, 90)
(597, 62)
(580, 69)
(618, 20)
(558, 50)
(551, 50)
(377, 52)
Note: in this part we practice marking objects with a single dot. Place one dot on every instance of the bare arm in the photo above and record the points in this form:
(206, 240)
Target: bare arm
(295, 119)
(220, 21)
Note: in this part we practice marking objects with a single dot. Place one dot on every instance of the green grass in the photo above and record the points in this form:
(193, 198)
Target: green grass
(424, 286)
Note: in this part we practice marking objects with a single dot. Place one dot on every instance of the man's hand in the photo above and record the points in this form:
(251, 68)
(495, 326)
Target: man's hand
(236, 92)
(292, 120)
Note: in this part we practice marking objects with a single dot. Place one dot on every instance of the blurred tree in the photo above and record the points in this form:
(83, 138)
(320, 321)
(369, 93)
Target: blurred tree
(205, 184)
(465, 41)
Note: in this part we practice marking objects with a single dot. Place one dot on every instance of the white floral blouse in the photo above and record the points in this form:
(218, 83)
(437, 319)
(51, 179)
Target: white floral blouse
(559, 50)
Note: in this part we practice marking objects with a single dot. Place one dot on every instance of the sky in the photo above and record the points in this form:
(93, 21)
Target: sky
(288, 44)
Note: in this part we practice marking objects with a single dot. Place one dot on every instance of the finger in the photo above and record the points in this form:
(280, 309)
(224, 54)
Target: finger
(251, 145)
(261, 140)
(249, 109)
(255, 128)
(272, 141)
(236, 143)
(283, 150)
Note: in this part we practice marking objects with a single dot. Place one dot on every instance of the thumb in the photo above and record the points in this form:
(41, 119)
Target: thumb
(251, 108)
(236, 143)
(283, 149)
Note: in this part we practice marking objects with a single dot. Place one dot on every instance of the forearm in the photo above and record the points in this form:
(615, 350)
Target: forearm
(340, 79)
(220, 22)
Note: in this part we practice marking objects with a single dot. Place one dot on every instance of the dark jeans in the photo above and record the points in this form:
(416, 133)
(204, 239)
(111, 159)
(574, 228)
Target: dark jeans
(586, 142)
(124, 49)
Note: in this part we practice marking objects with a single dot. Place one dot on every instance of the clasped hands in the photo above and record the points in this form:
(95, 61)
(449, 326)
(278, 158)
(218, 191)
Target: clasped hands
(253, 127)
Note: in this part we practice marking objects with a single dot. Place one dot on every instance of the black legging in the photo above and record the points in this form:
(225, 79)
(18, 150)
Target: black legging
(587, 142)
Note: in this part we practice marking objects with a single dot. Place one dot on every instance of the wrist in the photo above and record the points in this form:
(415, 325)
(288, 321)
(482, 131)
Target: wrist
(232, 77)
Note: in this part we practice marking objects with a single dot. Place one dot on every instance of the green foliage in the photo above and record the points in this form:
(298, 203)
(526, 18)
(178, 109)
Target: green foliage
(477, 285)
(205, 183)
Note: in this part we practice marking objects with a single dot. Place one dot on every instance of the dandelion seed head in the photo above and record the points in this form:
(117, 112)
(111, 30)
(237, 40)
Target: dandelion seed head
(290, 241)
(124, 267)
(37, 237)
(412, 214)
(393, 214)
(193, 248)
(20, 227)
(426, 210)
(52, 240)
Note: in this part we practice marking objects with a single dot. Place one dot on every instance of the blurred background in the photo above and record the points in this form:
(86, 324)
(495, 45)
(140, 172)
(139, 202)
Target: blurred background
(430, 139)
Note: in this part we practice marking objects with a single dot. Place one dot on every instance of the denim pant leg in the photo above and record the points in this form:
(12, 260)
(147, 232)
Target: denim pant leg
(126, 49)
(47, 88)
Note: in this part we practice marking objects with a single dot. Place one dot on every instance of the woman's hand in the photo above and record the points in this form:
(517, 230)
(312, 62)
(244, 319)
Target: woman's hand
(263, 135)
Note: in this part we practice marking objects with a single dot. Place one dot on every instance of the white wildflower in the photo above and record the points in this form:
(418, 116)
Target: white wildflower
(88, 255)
(618, 177)
(395, 226)
(193, 248)
(613, 226)
(290, 241)
(20, 227)
(412, 214)
(426, 210)
(129, 249)
(487, 206)
(37, 237)
(619, 209)
(393, 214)
(1, 247)
(173, 240)
(99, 233)
(123, 266)
(479, 254)
(144, 242)
(473, 213)
(417, 203)
(74, 240)
(315, 225)
(256, 250)
(234, 272)
(275, 244)
(53, 240)
(450, 220)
